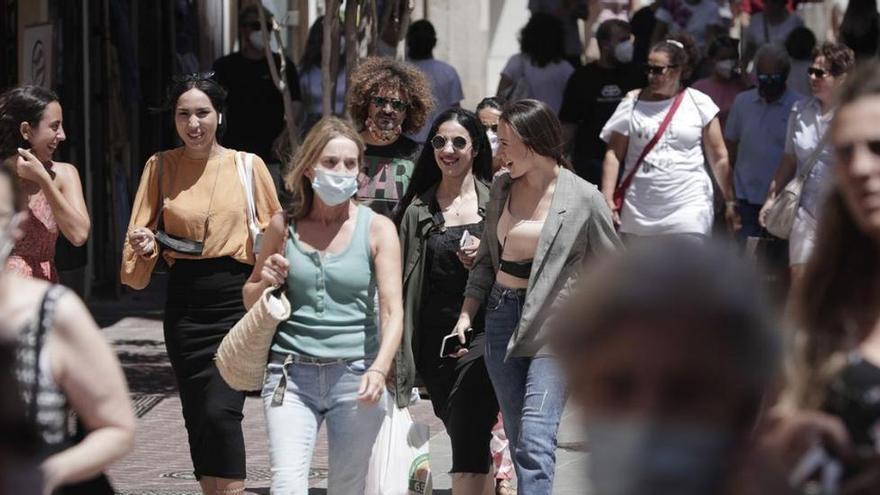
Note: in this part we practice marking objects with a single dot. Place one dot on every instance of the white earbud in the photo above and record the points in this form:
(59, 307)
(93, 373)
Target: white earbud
(220, 119)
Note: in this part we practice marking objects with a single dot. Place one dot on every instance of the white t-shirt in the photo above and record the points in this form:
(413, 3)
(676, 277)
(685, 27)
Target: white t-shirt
(806, 126)
(671, 193)
(778, 33)
(679, 15)
(545, 83)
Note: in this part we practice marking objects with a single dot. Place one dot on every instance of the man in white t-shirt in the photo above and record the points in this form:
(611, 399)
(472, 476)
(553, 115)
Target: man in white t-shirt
(773, 25)
(420, 41)
(691, 16)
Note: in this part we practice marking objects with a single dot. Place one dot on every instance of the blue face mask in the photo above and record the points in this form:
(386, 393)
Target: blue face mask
(634, 457)
(334, 189)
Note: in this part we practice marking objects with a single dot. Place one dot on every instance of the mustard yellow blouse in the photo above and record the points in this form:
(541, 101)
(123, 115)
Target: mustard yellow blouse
(204, 201)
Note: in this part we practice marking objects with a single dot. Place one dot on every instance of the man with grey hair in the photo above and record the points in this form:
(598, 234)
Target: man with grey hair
(670, 348)
(755, 134)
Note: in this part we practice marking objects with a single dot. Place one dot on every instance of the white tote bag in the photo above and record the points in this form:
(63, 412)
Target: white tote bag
(400, 461)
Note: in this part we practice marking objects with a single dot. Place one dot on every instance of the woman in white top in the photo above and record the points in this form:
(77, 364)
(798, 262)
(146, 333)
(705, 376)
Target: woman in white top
(807, 125)
(671, 192)
(540, 70)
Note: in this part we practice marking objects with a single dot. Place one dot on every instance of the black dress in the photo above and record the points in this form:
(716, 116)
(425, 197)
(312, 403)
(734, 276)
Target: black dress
(854, 397)
(461, 392)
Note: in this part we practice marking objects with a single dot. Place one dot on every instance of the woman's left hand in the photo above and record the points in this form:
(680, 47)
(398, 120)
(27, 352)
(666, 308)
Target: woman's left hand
(372, 386)
(468, 254)
(29, 167)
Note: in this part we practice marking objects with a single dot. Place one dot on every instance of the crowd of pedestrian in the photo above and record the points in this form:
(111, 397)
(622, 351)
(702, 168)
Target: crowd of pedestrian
(566, 238)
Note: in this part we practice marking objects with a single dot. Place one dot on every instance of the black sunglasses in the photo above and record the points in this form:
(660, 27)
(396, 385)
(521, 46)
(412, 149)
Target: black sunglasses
(846, 151)
(656, 70)
(770, 77)
(195, 76)
(818, 73)
(396, 105)
(458, 142)
(493, 128)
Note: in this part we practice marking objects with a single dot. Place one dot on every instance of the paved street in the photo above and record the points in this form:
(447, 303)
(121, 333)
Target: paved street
(160, 461)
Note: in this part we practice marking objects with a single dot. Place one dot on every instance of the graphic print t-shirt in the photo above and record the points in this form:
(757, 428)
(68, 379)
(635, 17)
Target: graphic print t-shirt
(386, 173)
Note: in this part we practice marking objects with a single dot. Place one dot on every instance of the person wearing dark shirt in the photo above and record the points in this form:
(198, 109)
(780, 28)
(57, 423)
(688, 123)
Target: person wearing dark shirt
(387, 98)
(255, 109)
(642, 23)
(592, 95)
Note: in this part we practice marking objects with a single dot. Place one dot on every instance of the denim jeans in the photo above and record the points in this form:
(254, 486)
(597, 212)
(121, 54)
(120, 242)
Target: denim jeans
(748, 214)
(531, 393)
(313, 393)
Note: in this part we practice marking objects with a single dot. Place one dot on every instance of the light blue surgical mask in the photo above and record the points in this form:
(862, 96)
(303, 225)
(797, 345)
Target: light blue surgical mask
(635, 457)
(334, 189)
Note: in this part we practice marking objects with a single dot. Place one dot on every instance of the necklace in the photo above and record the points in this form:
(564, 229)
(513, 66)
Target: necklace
(455, 211)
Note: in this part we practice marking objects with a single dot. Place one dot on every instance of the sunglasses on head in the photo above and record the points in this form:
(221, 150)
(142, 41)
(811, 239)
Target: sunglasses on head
(195, 76)
(846, 151)
(396, 105)
(458, 142)
(657, 70)
(818, 73)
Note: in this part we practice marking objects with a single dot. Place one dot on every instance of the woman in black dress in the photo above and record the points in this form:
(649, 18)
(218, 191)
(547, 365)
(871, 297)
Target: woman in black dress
(195, 193)
(441, 223)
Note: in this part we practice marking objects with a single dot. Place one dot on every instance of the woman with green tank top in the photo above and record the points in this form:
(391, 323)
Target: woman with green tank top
(327, 361)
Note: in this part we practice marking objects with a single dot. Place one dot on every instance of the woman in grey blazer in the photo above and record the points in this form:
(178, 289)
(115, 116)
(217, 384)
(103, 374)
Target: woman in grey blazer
(542, 223)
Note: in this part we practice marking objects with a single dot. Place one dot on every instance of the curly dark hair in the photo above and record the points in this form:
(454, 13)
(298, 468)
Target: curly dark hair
(840, 57)
(686, 56)
(542, 40)
(375, 73)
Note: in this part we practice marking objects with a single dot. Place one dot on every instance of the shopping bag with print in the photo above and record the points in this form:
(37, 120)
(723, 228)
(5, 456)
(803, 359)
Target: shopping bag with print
(400, 461)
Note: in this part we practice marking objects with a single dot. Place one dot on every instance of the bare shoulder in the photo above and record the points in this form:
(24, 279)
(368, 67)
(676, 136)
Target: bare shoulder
(65, 171)
(381, 226)
(278, 222)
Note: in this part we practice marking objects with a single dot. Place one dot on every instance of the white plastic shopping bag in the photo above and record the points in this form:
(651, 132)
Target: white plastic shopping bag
(400, 461)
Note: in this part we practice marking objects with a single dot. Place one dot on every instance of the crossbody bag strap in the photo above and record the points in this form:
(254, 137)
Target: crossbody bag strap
(813, 159)
(625, 183)
(245, 166)
(160, 223)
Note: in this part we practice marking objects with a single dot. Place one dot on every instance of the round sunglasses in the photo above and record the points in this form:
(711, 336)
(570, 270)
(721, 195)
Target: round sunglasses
(458, 142)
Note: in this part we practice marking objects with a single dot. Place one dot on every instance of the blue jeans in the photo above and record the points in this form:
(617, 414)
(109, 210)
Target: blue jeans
(294, 412)
(531, 393)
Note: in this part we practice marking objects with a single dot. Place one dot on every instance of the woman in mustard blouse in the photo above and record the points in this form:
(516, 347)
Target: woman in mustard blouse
(195, 194)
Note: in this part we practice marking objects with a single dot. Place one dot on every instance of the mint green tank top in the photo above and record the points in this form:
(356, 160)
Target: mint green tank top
(332, 299)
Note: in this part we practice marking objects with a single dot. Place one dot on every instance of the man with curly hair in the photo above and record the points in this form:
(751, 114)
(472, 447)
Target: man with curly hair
(388, 98)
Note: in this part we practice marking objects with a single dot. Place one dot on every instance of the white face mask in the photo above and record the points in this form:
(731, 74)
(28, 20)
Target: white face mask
(493, 142)
(623, 52)
(256, 39)
(334, 189)
(724, 68)
(635, 457)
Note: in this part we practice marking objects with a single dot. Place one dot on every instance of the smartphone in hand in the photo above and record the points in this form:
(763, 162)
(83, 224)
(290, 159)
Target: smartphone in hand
(451, 344)
(466, 239)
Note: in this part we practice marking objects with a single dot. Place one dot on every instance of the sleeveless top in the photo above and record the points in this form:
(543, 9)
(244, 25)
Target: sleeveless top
(34, 255)
(519, 242)
(34, 376)
(332, 298)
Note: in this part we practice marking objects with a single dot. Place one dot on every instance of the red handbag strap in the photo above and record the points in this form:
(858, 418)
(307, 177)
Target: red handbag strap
(624, 185)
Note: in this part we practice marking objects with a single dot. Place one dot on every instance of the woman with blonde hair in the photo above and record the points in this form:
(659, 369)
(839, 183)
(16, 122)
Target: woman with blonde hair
(333, 256)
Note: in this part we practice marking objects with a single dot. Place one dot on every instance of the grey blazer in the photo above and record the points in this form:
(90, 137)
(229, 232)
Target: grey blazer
(578, 225)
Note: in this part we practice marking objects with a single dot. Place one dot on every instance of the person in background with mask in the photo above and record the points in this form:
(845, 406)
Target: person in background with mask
(387, 99)
(489, 113)
(592, 95)
(755, 134)
(646, 361)
(254, 107)
(806, 145)
(726, 80)
(326, 361)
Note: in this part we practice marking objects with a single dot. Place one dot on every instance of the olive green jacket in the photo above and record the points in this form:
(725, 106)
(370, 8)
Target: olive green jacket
(418, 221)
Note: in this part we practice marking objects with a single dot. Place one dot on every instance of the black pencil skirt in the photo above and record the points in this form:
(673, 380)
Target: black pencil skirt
(204, 302)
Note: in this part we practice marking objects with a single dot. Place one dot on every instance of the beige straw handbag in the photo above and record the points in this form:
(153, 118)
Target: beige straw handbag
(244, 351)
